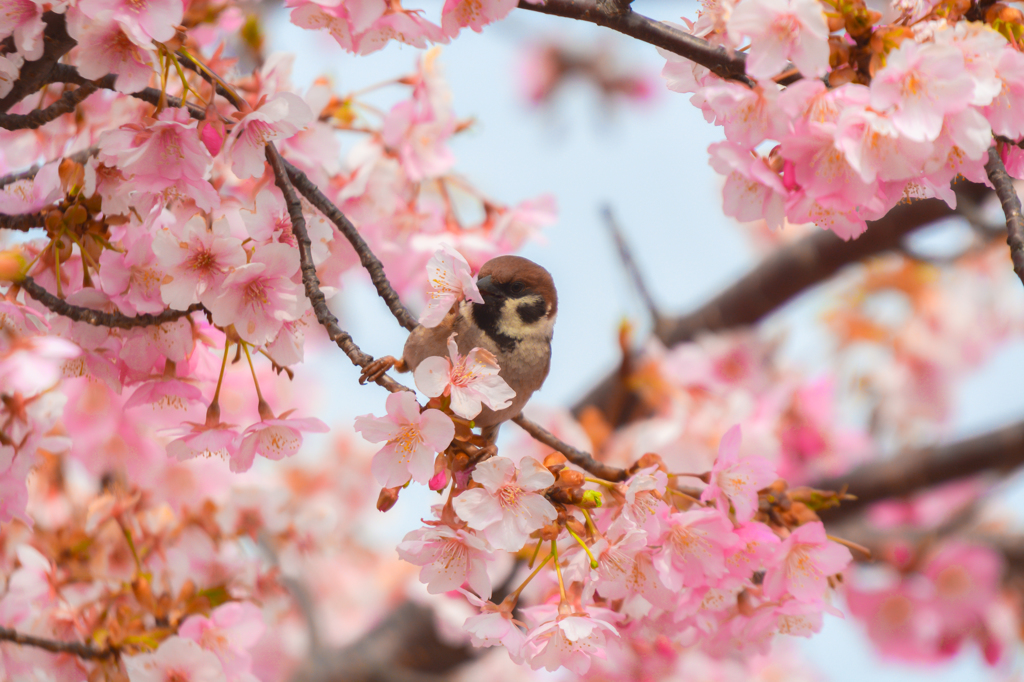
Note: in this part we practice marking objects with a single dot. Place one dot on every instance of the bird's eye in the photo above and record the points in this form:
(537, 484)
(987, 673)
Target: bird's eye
(516, 287)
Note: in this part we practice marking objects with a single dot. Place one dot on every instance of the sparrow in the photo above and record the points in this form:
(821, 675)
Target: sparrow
(515, 322)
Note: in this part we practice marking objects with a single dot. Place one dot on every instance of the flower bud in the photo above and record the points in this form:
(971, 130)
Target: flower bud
(592, 499)
(387, 498)
(568, 478)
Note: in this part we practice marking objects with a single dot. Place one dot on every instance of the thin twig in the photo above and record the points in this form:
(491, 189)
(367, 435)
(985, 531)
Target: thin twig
(584, 460)
(629, 263)
(99, 318)
(1010, 202)
(309, 278)
(40, 117)
(722, 61)
(75, 648)
(367, 258)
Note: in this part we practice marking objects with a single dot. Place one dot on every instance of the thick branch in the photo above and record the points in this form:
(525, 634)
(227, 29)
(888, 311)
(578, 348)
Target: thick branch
(98, 318)
(369, 261)
(74, 648)
(581, 459)
(22, 222)
(720, 60)
(34, 75)
(786, 273)
(309, 278)
(1010, 202)
(912, 472)
(40, 117)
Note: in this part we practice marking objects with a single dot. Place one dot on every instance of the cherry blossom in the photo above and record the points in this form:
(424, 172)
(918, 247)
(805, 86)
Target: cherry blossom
(176, 659)
(570, 641)
(780, 30)
(471, 381)
(107, 44)
(230, 632)
(195, 259)
(273, 439)
(802, 564)
(734, 481)
(260, 296)
(507, 507)
(695, 548)
(450, 281)
(474, 14)
(277, 118)
(413, 438)
(449, 557)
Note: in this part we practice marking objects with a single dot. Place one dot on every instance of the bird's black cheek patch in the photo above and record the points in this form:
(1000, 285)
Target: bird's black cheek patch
(531, 312)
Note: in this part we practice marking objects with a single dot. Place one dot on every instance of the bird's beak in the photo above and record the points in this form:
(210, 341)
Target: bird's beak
(487, 288)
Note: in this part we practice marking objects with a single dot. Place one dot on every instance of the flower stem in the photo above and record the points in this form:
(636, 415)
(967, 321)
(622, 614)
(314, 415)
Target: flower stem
(598, 481)
(852, 545)
(590, 523)
(264, 408)
(558, 570)
(213, 411)
(593, 561)
(515, 595)
(536, 551)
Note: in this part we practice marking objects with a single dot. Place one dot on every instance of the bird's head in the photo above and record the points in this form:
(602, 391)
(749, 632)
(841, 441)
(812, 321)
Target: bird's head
(519, 300)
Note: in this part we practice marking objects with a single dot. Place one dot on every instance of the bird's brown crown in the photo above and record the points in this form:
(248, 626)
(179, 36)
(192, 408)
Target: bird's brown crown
(510, 271)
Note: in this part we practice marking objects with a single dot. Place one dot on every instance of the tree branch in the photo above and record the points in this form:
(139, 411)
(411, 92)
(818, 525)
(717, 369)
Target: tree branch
(99, 318)
(369, 261)
(722, 61)
(583, 460)
(33, 75)
(22, 222)
(80, 157)
(1010, 202)
(74, 648)
(912, 472)
(309, 278)
(786, 273)
(40, 117)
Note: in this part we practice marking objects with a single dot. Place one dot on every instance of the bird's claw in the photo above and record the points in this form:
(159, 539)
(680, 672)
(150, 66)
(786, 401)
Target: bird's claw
(376, 369)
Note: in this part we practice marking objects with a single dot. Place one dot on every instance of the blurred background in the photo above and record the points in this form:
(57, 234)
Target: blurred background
(641, 150)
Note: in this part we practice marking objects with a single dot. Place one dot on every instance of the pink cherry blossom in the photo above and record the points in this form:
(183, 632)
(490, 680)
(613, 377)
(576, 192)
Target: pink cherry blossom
(570, 641)
(450, 281)
(178, 659)
(475, 14)
(694, 550)
(413, 438)
(132, 279)
(802, 564)
(752, 191)
(28, 196)
(10, 67)
(449, 557)
(921, 83)
(734, 481)
(749, 116)
(1002, 112)
(471, 381)
(876, 149)
(165, 394)
(166, 157)
(324, 15)
(507, 508)
(260, 296)
(195, 259)
(229, 633)
(406, 27)
(277, 118)
(151, 19)
(204, 440)
(107, 44)
(24, 20)
(14, 468)
(273, 439)
(494, 626)
(780, 30)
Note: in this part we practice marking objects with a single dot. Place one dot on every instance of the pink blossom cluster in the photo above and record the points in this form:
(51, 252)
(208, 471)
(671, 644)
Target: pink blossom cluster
(633, 561)
(926, 608)
(365, 26)
(839, 155)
